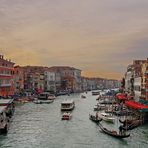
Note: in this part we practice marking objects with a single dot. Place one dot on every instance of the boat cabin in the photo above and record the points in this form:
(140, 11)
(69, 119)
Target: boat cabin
(95, 93)
(46, 96)
(67, 105)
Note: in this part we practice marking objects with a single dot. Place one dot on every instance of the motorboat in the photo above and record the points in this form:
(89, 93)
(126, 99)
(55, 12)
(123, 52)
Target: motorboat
(66, 116)
(99, 107)
(67, 105)
(38, 101)
(44, 97)
(107, 117)
(95, 93)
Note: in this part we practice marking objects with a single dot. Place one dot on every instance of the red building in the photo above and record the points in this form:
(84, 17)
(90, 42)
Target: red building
(6, 77)
(146, 75)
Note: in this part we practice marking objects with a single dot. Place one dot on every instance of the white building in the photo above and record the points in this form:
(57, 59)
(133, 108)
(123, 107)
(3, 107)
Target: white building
(137, 88)
(50, 81)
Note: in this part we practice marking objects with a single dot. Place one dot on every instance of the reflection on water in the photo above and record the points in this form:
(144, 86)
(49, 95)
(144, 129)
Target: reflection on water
(40, 126)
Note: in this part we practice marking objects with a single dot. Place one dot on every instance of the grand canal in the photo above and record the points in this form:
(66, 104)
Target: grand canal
(40, 126)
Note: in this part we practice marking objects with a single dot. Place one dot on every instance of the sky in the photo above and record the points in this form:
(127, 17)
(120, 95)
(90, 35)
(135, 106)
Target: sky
(100, 37)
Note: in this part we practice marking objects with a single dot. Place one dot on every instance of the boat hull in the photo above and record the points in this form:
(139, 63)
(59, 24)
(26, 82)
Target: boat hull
(113, 133)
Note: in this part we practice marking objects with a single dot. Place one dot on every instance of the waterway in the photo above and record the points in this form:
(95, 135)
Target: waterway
(40, 126)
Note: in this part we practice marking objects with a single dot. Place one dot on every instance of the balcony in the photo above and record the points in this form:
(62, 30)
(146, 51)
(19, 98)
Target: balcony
(5, 75)
(5, 85)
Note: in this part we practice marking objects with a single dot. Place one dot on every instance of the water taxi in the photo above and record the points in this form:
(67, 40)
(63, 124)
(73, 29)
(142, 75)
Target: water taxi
(67, 105)
(66, 116)
(95, 93)
(44, 97)
(98, 107)
(107, 117)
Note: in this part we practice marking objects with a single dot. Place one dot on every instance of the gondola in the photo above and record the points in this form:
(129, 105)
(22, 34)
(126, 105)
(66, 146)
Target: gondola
(94, 119)
(113, 133)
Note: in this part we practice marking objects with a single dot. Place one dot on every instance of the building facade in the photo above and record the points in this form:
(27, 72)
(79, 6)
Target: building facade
(6, 77)
(18, 79)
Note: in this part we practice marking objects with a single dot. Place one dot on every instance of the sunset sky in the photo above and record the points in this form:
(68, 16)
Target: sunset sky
(100, 37)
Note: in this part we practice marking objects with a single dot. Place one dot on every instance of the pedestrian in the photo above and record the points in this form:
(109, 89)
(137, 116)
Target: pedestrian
(96, 115)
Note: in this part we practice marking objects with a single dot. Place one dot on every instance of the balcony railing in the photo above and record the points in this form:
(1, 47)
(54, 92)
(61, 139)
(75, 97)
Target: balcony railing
(6, 75)
(5, 85)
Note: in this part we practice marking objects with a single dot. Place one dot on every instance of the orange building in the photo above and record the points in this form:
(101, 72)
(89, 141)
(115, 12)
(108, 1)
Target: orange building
(18, 79)
(6, 77)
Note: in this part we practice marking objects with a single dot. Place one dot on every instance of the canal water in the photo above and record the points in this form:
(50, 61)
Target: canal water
(40, 126)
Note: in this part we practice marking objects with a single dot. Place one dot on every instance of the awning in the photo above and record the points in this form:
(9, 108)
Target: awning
(136, 105)
(121, 96)
(144, 110)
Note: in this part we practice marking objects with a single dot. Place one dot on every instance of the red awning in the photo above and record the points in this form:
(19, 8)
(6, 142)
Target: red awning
(136, 105)
(121, 96)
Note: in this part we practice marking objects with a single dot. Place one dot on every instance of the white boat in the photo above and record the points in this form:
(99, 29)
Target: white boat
(99, 107)
(95, 92)
(38, 101)
(67, 105)
(66, 116)
(44, 97)
(107, 117)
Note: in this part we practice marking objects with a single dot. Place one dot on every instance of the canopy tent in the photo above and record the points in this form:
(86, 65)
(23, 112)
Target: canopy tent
(136, 105)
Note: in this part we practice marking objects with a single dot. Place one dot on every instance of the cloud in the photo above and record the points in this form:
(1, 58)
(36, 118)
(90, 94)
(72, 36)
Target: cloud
(99, 37)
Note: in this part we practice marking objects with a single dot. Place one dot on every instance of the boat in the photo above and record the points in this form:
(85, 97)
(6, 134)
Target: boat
(99, 107)
(67, 105)
(66, 116)
(113, 133)
(99, 97)
(95, 93)
(94, 118)
(9, 103)
(44, 97)
(51, 97)
(107, 117)
(4, 120)
(83, 97)
(38, 101)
